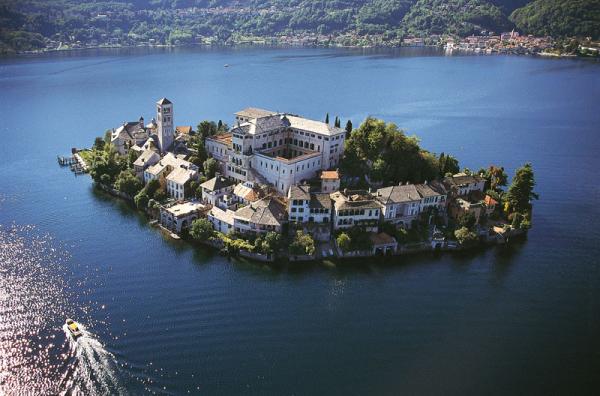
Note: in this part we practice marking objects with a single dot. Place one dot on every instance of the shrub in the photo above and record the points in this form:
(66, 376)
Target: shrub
(465, 237)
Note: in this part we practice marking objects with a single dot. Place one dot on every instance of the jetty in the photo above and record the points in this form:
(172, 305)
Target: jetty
(75, 163)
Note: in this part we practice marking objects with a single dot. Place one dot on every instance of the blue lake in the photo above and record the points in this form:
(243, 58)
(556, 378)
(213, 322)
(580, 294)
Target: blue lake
(164, 317)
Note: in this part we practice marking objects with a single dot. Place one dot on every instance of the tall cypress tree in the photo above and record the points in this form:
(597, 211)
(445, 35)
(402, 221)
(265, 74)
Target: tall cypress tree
(520, 193)
(327, 118)
(348, 128)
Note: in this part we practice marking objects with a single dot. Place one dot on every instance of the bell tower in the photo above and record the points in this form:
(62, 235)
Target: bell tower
(164, 120)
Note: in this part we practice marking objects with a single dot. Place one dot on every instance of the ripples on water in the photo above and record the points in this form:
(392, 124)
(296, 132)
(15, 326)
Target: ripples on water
(37, 354)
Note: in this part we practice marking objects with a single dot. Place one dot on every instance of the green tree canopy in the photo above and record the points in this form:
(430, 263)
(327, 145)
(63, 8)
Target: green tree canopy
(202, 229)
(520, 193)
(302, 244)
(128, 183)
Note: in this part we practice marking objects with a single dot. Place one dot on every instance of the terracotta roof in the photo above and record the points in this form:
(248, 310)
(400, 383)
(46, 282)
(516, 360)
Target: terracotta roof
(330, 175)
(489, 201)
(185, 129)
(225, 138)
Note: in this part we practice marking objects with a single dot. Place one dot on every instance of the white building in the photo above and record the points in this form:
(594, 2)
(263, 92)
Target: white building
(165, 166)
(356, 208)
(433, 195)
(128, 135)
(180, 216)
(215, 189)
(401, 204)
(222, 220)
(146, 159)
(276, 148)
(178, 180)
(461, 184)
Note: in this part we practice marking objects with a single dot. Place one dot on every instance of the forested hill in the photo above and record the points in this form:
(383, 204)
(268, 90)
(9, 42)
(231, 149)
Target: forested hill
(30, 24)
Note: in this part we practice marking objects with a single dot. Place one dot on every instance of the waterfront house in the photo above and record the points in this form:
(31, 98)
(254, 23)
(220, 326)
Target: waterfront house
(178, 182)
(180, 216)
(462, 185)
(330, 181)
(215, 189)
(221, 219)
(262, 216)
(356, 208)
(310, 211)
(298, 203)
(433, 195)
(401, 204)
(146, 159)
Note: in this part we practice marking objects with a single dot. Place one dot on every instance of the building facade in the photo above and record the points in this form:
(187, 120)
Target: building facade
(276, 148)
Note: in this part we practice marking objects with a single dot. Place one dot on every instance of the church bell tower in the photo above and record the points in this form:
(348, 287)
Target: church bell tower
(164, 119)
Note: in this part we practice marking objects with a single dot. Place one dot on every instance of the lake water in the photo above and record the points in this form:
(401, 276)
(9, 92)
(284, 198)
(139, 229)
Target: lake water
(163, 317)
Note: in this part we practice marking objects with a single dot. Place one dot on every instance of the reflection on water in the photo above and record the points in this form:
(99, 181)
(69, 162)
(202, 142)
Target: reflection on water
(37, 354)
(33, 298)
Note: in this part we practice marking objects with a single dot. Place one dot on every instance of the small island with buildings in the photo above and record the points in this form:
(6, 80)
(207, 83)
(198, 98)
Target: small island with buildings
(280, 186)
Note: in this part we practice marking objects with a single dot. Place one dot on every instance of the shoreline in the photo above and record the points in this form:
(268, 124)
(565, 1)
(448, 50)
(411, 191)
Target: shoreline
(403, 249)
(439, 47)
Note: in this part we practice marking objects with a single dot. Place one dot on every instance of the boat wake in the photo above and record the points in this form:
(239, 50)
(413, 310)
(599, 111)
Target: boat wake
(95, 371)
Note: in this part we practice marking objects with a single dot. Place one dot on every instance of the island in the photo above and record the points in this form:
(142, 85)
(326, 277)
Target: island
(279, 186)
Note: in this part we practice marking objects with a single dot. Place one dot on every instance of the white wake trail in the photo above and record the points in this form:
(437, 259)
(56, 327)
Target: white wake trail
(97, 371)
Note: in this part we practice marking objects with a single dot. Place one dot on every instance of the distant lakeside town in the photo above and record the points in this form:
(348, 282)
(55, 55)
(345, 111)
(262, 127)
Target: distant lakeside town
(485, 43)
(280, 186)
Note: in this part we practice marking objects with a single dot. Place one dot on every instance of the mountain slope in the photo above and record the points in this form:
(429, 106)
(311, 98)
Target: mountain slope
(559, 18)
(462, 17)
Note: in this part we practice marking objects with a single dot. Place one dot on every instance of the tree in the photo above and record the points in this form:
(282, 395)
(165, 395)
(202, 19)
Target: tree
(132, 155)
(98, 144)
(495, 177)
(206, 128)
(202, 230)
(141, 199)
(348, 128)
(520, 193)
(160, 194)
(465, 237)
(447, 164)
(343, 241)
(128, 183)
(467, 220)
(327, 118)
(211, 166)
(302, 244)
(272, 242)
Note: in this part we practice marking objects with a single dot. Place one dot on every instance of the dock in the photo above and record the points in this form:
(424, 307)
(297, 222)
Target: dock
(75, 163)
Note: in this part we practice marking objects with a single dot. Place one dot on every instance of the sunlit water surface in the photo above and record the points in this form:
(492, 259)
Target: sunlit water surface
(162, 317)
